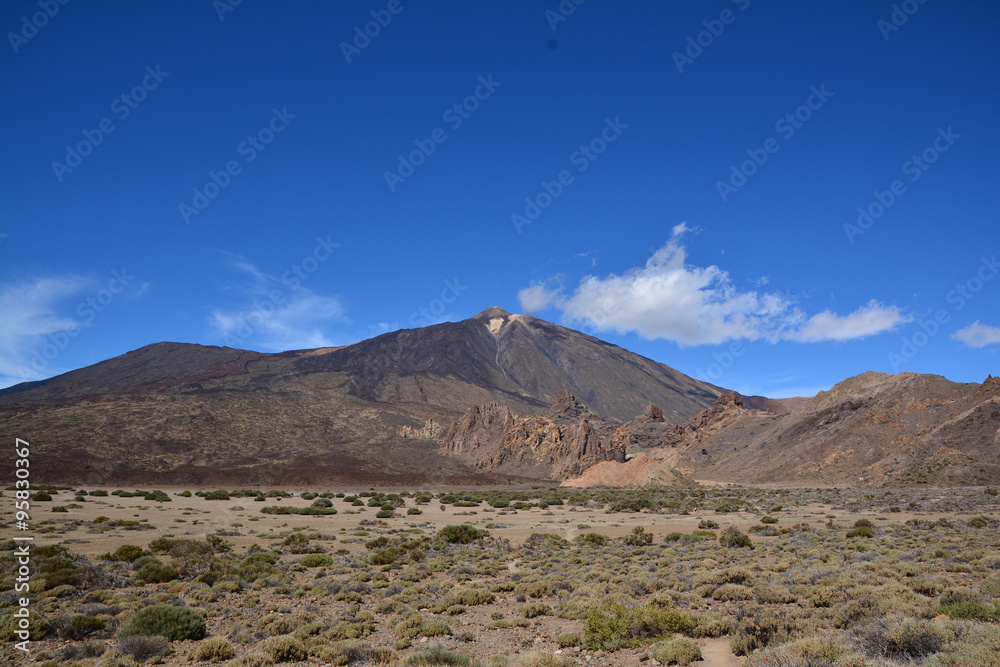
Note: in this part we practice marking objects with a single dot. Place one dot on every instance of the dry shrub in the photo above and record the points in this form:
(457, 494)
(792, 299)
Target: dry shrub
(897, 638)
(283, 648)
(682, 651)
(214, 649)
(142, 648)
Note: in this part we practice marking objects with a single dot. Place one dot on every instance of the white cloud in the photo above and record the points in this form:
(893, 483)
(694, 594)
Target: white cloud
(276, 316)
(691, 305)
(978, 335)
(36, 326)
(539, 296)
(871, 319)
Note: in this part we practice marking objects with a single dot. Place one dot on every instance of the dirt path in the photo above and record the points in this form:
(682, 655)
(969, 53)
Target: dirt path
(717, 654)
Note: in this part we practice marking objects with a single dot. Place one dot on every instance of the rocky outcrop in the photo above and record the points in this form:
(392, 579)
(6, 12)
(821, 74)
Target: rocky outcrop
(479, 430)
(563, 443)
(431, 430)
(646, 431)
(727, 409)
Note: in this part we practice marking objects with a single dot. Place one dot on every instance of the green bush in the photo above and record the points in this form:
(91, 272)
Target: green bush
(900, 639)
(213, 649)
(735, 539)
(727, 505)
(638, 538)
(384, 514)
(463, 534)
(862, 528)
(316, 560)
(152, 573)
(616, 626)
(54, 568)
(254, 566)
(472, 596)
(81, 626)
(535, 609)
(283, 648)
(682, 651)
(174, 623)
(591, 539)
(38, 626)
(41, 496)
(220, 494)
(438, 656)
(973, 610)
(127, 553)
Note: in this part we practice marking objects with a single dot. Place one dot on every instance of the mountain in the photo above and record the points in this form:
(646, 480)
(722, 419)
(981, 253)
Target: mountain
(372, 412)
(873, 429)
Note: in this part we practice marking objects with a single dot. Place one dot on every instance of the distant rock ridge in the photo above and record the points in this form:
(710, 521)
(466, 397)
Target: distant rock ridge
(727, 409)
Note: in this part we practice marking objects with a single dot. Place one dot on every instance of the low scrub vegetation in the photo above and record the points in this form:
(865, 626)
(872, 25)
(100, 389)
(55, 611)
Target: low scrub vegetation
(813, 577)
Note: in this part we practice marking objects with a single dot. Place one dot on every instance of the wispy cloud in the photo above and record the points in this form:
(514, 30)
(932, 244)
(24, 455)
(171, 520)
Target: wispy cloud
(670, 299)
(978, 335)
(276, 314)
(36, 320)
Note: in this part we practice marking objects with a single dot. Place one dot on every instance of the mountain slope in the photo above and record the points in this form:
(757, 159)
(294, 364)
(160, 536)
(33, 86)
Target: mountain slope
(373, 411)
(873, 428)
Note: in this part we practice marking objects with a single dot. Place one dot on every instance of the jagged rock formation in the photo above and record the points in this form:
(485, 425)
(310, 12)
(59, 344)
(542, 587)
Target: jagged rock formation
(566, 441)
(727, 409)
(645, 431)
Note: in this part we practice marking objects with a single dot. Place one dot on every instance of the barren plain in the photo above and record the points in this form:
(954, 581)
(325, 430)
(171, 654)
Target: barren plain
(539, 575)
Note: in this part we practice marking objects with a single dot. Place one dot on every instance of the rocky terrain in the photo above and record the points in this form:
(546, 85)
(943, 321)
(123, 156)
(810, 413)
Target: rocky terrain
(872, 429)
(566, 441)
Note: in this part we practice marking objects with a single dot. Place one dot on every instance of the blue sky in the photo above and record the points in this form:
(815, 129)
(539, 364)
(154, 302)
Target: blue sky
(683, 179)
